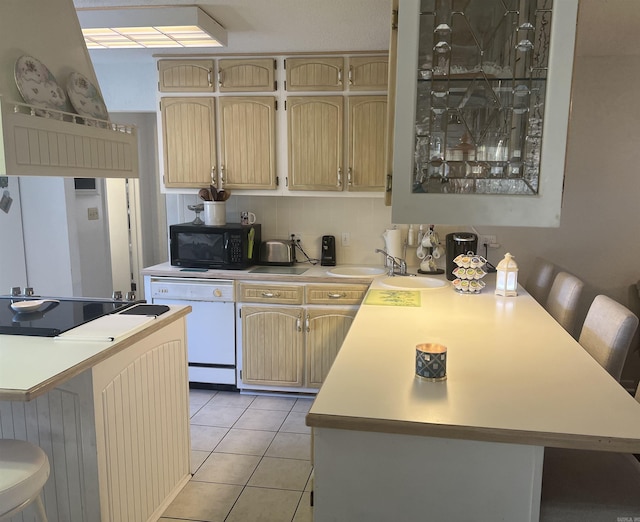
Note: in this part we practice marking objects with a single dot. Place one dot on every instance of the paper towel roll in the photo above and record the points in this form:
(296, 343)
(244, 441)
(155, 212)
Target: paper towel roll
(393, 242)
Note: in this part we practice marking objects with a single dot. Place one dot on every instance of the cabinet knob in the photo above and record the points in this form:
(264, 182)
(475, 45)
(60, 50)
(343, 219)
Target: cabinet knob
(217, 292)
(270, 294)
(336, 296)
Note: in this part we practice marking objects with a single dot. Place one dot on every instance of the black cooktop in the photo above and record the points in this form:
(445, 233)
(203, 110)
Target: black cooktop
(54, 318)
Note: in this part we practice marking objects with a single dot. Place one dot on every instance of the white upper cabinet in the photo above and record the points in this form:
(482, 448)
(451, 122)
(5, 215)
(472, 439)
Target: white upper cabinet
(482, 110)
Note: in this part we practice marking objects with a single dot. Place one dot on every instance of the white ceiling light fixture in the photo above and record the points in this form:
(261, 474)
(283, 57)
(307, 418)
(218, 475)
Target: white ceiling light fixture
(150, 27)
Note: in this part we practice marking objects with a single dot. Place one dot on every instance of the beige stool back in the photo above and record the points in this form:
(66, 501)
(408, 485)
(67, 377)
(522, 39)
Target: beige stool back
(540, 279)
(563, 298)
(24, 470)
(607, 333)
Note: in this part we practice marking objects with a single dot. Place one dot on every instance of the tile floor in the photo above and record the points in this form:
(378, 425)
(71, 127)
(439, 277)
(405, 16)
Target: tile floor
(250, 459)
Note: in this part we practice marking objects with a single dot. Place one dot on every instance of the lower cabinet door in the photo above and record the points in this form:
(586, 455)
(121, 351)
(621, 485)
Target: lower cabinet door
(272, 345)
(326, 329)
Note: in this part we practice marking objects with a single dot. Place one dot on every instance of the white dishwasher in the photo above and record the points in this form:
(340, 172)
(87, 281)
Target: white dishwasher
(210, 325)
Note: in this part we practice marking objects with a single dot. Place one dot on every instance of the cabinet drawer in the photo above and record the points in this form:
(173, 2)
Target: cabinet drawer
(185, 76)
(335, 294)
(314, 74)
(265, 293)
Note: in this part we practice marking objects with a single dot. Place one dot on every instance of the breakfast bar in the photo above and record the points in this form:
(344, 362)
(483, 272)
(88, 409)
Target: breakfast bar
(108, 403)
(390, 446)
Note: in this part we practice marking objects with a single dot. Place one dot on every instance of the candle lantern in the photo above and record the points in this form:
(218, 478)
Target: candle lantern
(507, 277)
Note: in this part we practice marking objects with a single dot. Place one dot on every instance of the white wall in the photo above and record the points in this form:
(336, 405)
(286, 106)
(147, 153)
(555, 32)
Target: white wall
(13, 271)
(92, 240)
(50, 238)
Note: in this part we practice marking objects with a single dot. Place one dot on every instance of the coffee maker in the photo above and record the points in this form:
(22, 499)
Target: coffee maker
(459, 243)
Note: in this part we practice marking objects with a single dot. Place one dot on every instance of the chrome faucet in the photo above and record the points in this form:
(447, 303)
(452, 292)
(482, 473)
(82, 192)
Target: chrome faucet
(394, 262)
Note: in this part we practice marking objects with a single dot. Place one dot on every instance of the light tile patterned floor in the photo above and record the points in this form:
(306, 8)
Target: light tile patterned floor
(250, 459)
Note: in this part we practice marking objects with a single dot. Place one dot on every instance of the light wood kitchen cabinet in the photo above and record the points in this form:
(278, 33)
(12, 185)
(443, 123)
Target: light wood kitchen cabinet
(315, 133)
(247, 137)
(292, 342)
(188, 133)
(315, 143)
(270, 293)
(246, 75)
(335, 141)
(325, 330)
(368, 73)
(329, 294)
(185, 76)
(367, 117)
(314, 74)
(272, 345)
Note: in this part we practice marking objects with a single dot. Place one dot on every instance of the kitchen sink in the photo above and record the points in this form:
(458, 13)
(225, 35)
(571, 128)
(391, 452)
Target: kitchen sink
(413, 283)
(356, 271)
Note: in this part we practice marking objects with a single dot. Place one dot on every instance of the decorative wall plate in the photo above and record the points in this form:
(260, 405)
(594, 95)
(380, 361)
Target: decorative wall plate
(38, 86)
(85, 98)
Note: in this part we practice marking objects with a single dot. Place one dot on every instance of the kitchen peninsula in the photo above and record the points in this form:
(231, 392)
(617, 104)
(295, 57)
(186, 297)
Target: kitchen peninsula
(112, 416)
(388, 446)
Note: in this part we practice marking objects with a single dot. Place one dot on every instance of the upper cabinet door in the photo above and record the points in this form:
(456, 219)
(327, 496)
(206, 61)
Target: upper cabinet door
(247, 136)
(188, 133)
(246, 75)
(314, 74)
(482, 110)
(368, 73)
(185, 76)
(367, 116)
(315, 142)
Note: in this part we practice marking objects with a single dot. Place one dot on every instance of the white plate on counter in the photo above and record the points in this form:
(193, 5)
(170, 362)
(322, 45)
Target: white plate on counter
(31, 305)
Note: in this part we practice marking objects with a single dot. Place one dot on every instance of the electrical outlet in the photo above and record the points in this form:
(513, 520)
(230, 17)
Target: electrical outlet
(489, 240)
(346, 239)
(92, 214)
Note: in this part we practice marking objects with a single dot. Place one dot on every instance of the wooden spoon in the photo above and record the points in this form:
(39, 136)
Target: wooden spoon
(205, 194)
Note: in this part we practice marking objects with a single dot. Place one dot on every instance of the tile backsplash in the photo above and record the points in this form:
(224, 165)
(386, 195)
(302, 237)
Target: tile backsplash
(309, 218)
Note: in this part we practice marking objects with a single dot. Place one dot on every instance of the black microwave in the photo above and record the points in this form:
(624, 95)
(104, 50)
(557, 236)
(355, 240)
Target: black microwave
(230, 247)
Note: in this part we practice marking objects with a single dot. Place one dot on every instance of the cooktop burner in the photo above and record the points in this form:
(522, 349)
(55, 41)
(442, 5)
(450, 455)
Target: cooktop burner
(52, 319)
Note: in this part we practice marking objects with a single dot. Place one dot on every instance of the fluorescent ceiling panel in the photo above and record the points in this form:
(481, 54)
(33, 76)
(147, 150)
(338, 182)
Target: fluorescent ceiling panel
(150, 27)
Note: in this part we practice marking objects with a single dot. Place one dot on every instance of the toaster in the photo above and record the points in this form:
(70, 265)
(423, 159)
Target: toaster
(278, 252)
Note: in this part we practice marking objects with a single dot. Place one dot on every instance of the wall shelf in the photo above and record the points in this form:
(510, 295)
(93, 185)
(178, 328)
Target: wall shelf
(39, 142)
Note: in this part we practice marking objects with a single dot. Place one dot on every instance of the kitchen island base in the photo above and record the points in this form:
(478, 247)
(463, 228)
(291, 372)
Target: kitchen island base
(384, 476)
(116, 434)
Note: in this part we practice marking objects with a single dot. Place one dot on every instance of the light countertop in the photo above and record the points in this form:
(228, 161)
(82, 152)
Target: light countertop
(313, 274)
(30, 366)
(514, 375)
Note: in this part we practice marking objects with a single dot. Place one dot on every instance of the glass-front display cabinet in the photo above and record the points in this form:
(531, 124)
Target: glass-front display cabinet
(482, 110)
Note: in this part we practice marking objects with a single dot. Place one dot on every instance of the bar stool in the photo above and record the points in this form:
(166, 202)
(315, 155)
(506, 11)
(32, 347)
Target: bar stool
(562, 301)
(607, 333)
(589, 486)
(24, 470)
(540, 279)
